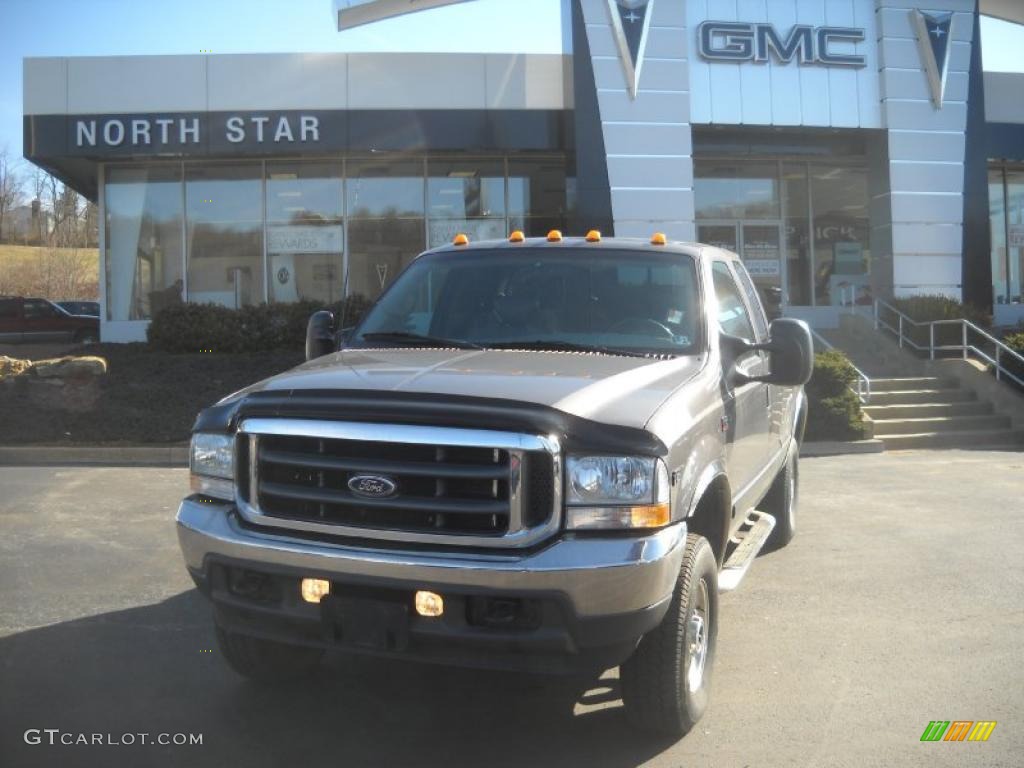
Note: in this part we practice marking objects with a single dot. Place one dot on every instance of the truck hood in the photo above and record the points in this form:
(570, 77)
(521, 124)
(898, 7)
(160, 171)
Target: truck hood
(613, 390)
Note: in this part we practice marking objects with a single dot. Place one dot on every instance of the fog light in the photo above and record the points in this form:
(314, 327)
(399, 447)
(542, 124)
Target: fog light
(429, 604)
(315, 590)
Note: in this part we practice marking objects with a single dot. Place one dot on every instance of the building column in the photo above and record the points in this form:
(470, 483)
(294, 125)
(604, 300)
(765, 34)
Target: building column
(923, 233)
(647, 139)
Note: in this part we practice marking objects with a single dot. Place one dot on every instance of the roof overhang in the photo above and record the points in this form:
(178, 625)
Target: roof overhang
(1009, 10)
(355, 13)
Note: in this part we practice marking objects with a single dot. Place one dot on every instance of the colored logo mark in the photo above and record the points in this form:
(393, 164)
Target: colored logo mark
(958, 730)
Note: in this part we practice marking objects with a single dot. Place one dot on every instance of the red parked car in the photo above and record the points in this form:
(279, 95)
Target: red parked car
(35, 321)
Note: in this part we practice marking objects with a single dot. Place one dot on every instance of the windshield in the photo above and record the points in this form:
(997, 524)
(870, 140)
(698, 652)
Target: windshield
(613, 301)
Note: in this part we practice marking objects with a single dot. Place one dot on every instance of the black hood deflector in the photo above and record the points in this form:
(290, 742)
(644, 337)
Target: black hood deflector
(576, 434)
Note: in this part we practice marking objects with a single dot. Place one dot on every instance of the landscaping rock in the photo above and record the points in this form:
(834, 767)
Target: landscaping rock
(11, 366)
(70, 368)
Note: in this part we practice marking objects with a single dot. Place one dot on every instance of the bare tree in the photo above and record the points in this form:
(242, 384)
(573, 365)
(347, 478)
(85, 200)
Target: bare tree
(10, 189)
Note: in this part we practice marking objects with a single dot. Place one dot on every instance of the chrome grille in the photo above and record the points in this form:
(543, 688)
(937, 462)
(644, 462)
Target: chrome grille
(399, 482)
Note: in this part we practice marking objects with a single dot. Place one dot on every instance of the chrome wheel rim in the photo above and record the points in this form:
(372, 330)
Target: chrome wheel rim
(697, 625)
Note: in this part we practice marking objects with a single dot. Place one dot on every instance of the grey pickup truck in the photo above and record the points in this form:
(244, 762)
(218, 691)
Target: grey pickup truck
(547, 455)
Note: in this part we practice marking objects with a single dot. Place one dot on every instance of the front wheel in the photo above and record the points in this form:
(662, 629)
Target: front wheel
(666, 682)
(264, 660)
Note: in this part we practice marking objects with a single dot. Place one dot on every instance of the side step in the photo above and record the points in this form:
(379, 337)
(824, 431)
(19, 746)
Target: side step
(749, 540)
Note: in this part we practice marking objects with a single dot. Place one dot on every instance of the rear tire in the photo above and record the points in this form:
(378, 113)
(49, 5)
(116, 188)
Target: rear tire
(781, 501)
(666, 683)
(266, 661)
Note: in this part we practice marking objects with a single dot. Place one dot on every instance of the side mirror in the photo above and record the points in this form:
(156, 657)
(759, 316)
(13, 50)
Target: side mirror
(320, 339)
(790, 350)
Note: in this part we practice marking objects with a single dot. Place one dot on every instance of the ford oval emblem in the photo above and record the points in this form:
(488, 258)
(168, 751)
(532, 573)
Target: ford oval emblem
(372, 486)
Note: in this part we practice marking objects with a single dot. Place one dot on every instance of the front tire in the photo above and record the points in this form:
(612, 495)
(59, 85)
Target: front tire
(781, 501)
(266, 661)
(666, 682)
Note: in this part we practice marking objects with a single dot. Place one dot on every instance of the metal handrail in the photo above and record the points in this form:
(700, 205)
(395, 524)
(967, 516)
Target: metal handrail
(863, 388)
(966, 349)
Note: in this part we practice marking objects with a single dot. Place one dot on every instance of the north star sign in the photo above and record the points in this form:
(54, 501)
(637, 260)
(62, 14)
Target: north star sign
(737, 41)
(167, 131)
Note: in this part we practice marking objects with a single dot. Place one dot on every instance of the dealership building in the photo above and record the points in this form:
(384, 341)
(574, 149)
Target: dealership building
(845, 149)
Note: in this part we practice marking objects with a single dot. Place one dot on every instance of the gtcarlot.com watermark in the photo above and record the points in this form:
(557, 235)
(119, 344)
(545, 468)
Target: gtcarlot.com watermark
(55, 737)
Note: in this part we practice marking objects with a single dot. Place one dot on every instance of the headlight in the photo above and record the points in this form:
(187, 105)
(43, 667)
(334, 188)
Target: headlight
(617, 492)
(212, 462)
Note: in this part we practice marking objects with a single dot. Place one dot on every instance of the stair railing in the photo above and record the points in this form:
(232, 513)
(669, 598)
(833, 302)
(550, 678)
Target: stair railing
(900, 325)
(862, 386)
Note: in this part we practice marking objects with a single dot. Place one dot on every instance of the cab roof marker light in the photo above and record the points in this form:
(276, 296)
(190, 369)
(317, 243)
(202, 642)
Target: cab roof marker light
(460, 239)
(554, 236)
(517, 237)
(658, 238)
(593, 236)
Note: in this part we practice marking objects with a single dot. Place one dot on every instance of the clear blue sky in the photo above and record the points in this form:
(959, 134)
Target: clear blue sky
(117, 27)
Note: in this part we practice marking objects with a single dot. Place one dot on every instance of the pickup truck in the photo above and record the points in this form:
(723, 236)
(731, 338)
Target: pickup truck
(545, 455)
(39, 321)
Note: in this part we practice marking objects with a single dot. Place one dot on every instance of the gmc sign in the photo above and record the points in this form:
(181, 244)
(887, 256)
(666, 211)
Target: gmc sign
(738, 41)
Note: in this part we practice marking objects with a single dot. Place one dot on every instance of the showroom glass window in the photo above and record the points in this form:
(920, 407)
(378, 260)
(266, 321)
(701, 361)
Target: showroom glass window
(224, 212)
(386, 221)
(305, 231)
(1006, 201)
(143, 240)
(842, 255)
(538, 199)
(465, 195)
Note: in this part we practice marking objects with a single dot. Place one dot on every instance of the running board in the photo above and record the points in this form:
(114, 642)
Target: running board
(749, 540)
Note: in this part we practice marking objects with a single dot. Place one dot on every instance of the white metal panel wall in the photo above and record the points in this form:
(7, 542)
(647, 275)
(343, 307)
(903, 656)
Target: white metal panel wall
(786, 94)
(926, 152)
(647, 139)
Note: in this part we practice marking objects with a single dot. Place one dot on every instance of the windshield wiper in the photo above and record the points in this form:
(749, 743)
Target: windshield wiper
(404, 337)
(569, 346)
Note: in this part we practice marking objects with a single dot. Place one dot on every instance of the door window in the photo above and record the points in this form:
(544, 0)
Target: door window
(733, 317)
(37, 309)
(756, 308)
(8, 309)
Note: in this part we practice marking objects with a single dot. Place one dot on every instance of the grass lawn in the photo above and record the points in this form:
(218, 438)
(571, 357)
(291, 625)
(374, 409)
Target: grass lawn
(51, 273)
(147, 397)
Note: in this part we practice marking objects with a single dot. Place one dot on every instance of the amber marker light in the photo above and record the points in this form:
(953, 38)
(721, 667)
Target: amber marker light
(658, 238)
(315, 590)
(650, 516)
(517, 237)
(460, 239)
(429, 604)
(554, 236)
(593, 236)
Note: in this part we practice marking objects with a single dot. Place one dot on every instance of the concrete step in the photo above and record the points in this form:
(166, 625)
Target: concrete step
(994, 438)
(928, 410)
(889, 427)
(912, 382)
(906, 397)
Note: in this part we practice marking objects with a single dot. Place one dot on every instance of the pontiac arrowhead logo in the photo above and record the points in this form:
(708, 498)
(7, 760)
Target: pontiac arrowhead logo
(630, 21)
(933, 39)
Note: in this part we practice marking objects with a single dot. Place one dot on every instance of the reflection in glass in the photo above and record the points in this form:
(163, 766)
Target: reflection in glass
(997, 222)
(224, 208)
(842, 256)
(305, 231)
(465, 196)
(1015, 225)
(729, 189)
(798, 240)
(143, 240)
(538, 199)
(387, 225)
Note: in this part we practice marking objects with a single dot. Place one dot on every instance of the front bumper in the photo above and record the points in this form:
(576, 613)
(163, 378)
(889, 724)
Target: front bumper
(594, 596)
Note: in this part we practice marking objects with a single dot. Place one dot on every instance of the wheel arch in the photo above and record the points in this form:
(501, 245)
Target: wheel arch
(710, 512)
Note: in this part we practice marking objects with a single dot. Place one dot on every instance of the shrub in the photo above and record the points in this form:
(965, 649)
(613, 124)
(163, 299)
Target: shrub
(925, 309)
(833, 409)
(1015, 341)
(187, 328)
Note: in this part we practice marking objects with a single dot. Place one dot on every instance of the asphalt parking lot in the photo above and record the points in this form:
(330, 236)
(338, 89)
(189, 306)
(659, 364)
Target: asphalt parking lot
(901, 601)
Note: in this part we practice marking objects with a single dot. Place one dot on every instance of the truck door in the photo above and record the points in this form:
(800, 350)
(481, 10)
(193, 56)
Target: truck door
(746, 405)
(10, 321)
